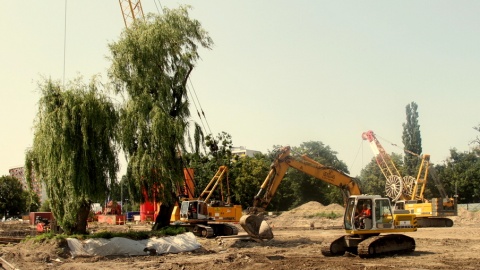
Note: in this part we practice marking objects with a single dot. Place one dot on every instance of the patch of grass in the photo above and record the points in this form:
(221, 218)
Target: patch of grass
(331, 215)
(134, 235)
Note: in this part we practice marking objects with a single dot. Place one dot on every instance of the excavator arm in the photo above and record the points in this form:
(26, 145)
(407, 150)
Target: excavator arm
(306, 165)
(253, 222)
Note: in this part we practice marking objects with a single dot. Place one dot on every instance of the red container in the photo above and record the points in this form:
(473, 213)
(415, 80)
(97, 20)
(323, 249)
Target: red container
(44, 215)
(147, 210)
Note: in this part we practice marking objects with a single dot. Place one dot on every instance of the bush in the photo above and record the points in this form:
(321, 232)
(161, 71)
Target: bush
(331, 215)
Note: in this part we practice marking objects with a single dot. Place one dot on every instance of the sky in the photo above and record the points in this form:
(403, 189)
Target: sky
(279, 72)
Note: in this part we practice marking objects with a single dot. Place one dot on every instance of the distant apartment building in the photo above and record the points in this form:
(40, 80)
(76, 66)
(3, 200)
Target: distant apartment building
(37, 186)
(242, 151)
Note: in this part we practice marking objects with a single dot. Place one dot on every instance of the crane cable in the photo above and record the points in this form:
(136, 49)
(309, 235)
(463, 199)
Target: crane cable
(160, 4)
(64, 43)
(360, 147)
(403, 149)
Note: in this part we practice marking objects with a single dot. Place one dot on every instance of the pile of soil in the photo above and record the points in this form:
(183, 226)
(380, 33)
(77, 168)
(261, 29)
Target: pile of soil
(466, 217)
(311, 214)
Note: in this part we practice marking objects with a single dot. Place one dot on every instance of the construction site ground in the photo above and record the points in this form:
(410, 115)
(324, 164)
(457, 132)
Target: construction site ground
(295, 246)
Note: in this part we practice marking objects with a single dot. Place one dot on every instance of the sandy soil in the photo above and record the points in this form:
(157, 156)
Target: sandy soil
(294, 246)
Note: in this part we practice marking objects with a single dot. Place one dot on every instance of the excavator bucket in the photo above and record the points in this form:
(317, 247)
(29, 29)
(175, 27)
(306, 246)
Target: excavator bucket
(256, 227)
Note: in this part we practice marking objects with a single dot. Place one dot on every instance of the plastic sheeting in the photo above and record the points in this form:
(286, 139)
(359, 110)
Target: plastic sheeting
(124, 246)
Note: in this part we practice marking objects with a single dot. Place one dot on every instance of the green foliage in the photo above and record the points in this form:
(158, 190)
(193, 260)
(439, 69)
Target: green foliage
(220, 148)
(412, 141)
(32, 201)
(45, 207)
(461, 174)
(151, 64)
(248, 173)
(73, 149)
(328, 215)
(12, 197)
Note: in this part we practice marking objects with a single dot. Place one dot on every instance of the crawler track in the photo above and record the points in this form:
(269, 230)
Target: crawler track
(385, 245)
(373, 246)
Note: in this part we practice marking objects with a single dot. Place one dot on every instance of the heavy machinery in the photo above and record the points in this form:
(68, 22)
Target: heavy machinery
(366, 239)
(408, 192)
(207, 217)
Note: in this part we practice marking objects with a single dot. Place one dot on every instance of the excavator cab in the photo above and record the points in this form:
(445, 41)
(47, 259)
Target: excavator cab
(376, 234)
(364, 213)
(193, 211)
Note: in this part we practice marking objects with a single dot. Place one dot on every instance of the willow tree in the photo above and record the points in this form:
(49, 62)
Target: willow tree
(73, 149)
(151, 64)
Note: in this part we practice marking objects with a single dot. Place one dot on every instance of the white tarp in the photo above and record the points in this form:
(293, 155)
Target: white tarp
(125, 246)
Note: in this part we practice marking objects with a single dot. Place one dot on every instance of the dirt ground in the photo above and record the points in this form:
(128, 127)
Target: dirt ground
(295, 246)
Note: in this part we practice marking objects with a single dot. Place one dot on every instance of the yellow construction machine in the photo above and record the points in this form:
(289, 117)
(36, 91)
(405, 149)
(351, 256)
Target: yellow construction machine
(374, 235)
(207, 217)
(407, 192)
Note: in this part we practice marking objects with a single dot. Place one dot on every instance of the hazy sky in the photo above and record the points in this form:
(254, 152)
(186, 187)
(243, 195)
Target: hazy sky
(279, 73)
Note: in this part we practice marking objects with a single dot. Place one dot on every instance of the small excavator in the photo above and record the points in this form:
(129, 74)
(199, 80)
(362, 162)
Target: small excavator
(206, 217)
(376, 235)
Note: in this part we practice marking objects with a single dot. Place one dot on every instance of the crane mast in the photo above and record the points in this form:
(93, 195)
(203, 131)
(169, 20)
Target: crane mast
(384, 161)
(131, 10)
(396, 187)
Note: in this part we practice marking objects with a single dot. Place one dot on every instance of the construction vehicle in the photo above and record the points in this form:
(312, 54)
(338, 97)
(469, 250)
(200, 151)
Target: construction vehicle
(207, 217)
(408, 192)
(367, 238)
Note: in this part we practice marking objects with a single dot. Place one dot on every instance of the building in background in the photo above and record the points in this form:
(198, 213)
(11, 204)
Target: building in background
(242, 151)
(37, 185)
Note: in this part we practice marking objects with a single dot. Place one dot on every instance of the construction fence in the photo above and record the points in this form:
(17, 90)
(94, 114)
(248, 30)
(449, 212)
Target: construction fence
(473, 207)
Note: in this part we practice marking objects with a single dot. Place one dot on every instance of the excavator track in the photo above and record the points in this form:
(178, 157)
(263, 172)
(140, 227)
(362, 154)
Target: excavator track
(203, 231)
(336, 247)
(385, 244)
(229, 230)
(434, 222)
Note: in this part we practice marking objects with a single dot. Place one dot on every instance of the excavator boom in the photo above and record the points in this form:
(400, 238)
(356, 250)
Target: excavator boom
(254, 224)
(306, 165)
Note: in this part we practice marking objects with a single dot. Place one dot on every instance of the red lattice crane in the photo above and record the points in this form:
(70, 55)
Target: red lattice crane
(408, 192)
(131, 10)
(396, 186)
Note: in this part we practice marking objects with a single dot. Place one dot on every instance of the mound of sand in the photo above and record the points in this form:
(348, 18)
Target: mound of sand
(310, 213)
(321, 216)
(466, 217)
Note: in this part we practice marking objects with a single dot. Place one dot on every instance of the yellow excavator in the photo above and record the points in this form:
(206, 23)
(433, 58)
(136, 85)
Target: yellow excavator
(375, 235)
(208, 217)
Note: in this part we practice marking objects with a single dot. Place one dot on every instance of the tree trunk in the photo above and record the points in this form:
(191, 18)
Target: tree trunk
(82, 219)
(163, 217)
